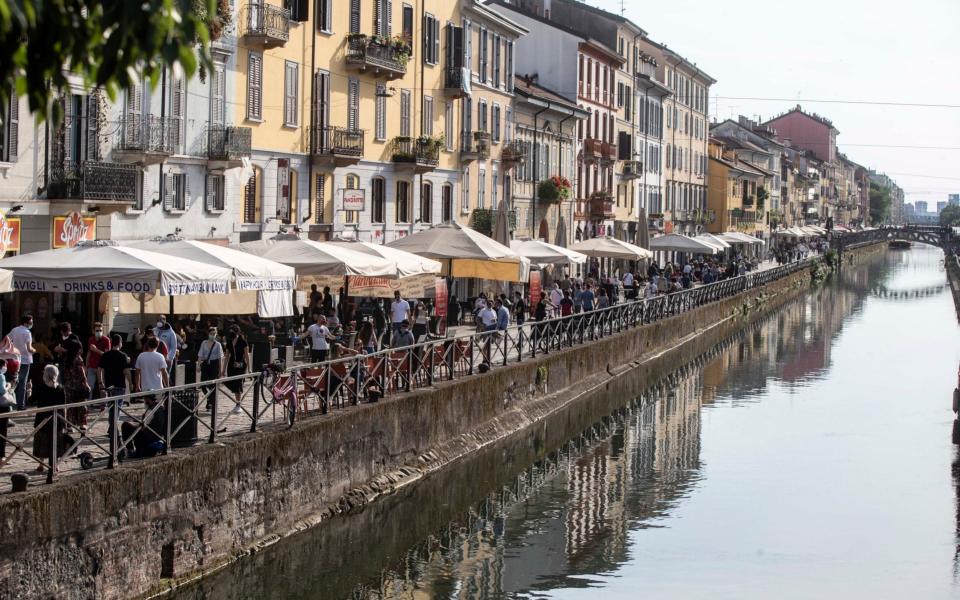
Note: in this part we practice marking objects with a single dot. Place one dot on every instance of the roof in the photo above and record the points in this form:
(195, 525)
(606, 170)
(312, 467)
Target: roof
(739, 144)
(529, 88)
(812, 116)
(605, 14)
(681, 60)
(499, 18)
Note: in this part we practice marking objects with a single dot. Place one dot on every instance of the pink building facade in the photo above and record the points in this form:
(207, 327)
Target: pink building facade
(807, 132)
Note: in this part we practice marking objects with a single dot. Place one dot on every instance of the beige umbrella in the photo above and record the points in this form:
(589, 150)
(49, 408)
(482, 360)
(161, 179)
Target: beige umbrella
(408, 264)
(675, 242)
(542, 253)
(643, 230)
(608, 247)
(319, 258)
(501, 229)
(6, 281)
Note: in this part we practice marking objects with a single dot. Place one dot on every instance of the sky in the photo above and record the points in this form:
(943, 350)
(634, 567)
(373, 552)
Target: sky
(850, 50)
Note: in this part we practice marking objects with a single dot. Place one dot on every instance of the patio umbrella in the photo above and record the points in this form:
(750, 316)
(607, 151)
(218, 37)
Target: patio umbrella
(713, 240)
(643, 230)
(674, 242)
(408, 264)
(6, 281)
(263, 287)
(561, 237)
(501, 228)
(103, 266)
(542, 253)
(608, 247)
(736, 237)
(311, 258)
(465, 252)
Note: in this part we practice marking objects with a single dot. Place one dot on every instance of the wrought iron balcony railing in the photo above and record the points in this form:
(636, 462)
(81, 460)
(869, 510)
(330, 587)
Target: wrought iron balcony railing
(379, 56)
(476, 146)
(456, 81)
(422, 153)
(228, 143)
(336, 141)
(148, 134)
(94, 181)
(632, 169)
(267, 24)
(512, 153)
(601, 206)
(592, 149)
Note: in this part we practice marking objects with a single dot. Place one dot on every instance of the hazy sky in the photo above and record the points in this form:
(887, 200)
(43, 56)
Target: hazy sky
(876, 51)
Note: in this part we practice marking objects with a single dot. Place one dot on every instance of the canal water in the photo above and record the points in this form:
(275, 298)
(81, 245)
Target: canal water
(809, 457)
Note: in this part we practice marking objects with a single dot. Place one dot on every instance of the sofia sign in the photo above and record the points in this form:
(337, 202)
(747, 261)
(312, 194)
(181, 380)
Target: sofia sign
(72, 229)
(9, 234)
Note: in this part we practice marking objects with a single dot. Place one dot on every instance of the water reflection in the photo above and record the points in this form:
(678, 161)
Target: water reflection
(605, 509)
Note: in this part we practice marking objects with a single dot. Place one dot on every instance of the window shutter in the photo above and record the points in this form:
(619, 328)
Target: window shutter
(321, 196)
(186, 192)
(13, 128)
(381, 116)
(210, 195)
(217, 95)
(389, 18)
(168, 192)
(436, 40)
(327, 14)
(428, 115)
(176, 113)
(425, 34)
(254, 81)
(354, 16)
(377, 17)
(93, 139)
(405, 113)
(353, 104)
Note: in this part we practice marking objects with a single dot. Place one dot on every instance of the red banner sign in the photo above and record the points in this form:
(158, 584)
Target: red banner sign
(9, 234)
(440, 304)
(536, 288)
(70, 230)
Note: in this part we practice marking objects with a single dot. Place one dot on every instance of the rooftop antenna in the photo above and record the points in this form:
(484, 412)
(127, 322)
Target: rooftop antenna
(623, 8)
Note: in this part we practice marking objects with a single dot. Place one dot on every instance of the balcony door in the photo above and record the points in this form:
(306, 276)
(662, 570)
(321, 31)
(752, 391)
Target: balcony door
(79, 134)
(320, 117)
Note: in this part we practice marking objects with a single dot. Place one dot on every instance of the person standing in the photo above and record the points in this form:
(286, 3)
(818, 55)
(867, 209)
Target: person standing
(114, 371)
(22, 339)
(587, 298)
(67, 347)
(320, 338)
(97, 344)
(168, 336)
(421, 320)
(556, 295)
(151, 368)
(47, 394)
(399, 312)
(503, 315)
(519, 309)
(210, 355)
(238, 363)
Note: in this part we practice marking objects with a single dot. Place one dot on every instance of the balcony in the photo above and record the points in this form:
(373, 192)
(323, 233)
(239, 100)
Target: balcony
(456, 82)
(94, 181)
(419, 154)
(512, 154)
(601, 206)
(739, 217)
(592, 150)
(475, 147)
(380, 57)
(336, 146)
(679, 216)
(227, 146)
(632, 169)
(145, 139)
(608, 153)
(267, 26)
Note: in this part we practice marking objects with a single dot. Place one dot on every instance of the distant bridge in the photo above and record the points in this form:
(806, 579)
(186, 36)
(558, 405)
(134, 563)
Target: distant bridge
(942, 237)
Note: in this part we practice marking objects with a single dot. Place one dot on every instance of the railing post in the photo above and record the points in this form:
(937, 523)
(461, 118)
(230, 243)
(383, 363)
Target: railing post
(291, 407)
(256, 402)
(213, 414)
(53, 447)
(168, 405)
(114, 427)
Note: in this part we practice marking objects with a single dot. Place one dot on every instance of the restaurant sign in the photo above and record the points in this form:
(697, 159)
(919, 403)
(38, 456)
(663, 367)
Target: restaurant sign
(9, 234)
(71, 229)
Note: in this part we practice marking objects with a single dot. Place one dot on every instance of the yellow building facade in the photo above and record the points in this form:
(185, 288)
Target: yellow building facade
(372, 119)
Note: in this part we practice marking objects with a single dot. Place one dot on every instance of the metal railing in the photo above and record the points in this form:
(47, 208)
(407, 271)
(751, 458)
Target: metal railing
(148, 133)
(226, 142)
(268, 22)
(417, 151)
(366, 51)
(94, 180)
(135, 426)
(337, 141)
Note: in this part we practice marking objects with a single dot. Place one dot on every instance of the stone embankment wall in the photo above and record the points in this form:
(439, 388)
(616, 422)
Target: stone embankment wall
(953, 277)
(143, 528)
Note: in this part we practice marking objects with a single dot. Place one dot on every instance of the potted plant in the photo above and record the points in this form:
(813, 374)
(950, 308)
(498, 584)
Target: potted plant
(548, 191)
(563, 184)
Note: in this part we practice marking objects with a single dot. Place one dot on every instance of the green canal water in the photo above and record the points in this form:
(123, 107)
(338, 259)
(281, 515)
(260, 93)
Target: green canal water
(810, 457)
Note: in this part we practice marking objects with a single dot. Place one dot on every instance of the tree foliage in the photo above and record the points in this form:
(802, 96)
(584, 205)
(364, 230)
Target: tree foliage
(105, 44)
(950, 216)
(879, 203)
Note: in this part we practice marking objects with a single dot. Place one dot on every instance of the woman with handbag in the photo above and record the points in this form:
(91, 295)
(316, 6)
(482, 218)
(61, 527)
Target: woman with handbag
(76, 388)
(49, 393)
(210, 355)
(238, 363)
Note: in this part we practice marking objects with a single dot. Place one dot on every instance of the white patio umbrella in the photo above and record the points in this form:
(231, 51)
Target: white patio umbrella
(6, 281)
(713, 240)
(736, 237)
(263, 287)
(542, 253)
(609, 247)
(311, 258)
(408, 264)
(103, 266)
(465, 252)
(674, 242)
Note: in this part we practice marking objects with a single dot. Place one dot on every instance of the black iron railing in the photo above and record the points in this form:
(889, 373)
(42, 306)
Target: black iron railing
(337, 141)
(148, 133)
(453, 79)
(94, 180)
(105, 432)
(417, 151)
(269, 22)
(371, 52)
(512, 152)
(226, 142)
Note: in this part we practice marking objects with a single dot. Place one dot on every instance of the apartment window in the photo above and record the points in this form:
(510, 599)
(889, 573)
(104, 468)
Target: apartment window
(406, 25)
(484, 56)
(380, 126)
(497, 55)
(354, 16)
(320, 200)
(482, 115)
(620, 94)
(383, 17)
(378, 200)
(176, 192)
(10, 131)
(403, 202)
(448, 126)
(465, 191)
(509, 66)
(496, 124)
(669, 161)
(426, 203)
(495, 180)
(446, 199)
(353, 104)
(324, 15)
(255, 86)
(428, 115)
(580, 75)
(628, 103)
(291, 92)
(251, 197)
(431, 40)
(218, 85)
(214, 193)
(178, 102)
(405, 113)
(481, 187)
